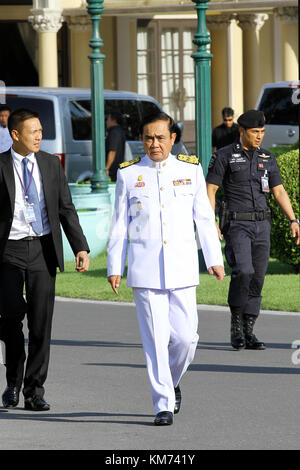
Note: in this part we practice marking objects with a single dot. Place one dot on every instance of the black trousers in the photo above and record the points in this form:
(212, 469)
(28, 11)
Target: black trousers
(31, 264)
(247, 252)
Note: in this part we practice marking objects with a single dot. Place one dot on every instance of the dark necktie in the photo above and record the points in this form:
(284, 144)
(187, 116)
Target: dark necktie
(31, 192)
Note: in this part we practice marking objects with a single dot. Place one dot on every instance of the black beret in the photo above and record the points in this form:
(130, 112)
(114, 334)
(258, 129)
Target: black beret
(252, 118)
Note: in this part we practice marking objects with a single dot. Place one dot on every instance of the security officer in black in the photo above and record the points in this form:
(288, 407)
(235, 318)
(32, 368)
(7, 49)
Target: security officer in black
(247, 172)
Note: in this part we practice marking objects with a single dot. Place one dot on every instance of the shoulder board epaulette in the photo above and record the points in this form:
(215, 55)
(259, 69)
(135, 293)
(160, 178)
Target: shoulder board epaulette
(188, 159)
(130, 162)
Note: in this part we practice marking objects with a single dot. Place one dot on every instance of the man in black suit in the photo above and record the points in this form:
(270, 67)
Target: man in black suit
(227, 132)
(34, 201)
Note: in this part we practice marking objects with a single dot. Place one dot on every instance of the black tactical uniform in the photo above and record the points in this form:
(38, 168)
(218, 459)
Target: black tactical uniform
(245, 177)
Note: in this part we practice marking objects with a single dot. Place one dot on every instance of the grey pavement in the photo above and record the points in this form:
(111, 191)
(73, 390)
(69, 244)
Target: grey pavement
(100, 396)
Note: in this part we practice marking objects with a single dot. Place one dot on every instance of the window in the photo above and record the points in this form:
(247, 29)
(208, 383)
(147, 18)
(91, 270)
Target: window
(147, 107)
(170, 72)
(131, 110)
(165, 68)
(42, 106)
(81, 118)
(146, 69)
(130, 113)
(278, 107)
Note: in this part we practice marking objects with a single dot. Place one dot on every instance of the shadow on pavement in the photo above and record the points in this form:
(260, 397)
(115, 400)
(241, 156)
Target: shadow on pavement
(80, 417)
(228, 347)
(117, 364)
(95, 343)
(243, 369)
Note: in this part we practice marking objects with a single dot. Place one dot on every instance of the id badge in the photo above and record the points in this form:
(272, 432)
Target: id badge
(265, 184)
(29, 214)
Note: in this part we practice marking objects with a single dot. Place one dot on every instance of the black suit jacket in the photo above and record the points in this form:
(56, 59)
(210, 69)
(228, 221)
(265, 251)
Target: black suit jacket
(58, 200)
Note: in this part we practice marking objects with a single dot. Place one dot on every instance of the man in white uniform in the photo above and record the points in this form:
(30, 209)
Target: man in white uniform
(158, 199)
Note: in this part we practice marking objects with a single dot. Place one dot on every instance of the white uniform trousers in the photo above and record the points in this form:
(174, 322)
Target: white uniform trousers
(168, 324)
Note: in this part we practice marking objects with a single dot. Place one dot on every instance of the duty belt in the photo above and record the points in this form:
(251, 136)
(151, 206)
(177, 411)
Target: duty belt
(251, 216)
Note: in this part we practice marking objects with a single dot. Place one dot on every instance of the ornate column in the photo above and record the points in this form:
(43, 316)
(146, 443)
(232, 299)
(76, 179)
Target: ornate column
(288, 17)
(251, 24)
(80, 27)
(202, 59)
(218, 26)
(47, 22)
(99, 179)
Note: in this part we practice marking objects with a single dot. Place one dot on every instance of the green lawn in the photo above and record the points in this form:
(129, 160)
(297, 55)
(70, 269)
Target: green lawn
(281, 289)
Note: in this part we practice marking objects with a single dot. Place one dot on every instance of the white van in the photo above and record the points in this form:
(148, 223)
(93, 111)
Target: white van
(65, 114)
(280, 104)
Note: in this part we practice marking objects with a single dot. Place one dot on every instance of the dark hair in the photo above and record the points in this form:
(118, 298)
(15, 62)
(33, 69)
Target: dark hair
(158, 116)
(226, 112)
(116, 116)
(4, 107)
(18, 116)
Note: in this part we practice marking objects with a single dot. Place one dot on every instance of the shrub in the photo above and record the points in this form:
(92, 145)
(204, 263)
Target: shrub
(280, 149)
(283, 246)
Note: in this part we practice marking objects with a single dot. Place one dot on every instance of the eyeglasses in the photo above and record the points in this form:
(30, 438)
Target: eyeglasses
(228, 119)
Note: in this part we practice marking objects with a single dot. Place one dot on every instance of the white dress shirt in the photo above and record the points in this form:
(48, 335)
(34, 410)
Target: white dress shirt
(20, 228)
(156, 206)
(5, 139)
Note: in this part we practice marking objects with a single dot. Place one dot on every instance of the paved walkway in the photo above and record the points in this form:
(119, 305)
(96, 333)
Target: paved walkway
(100, 397)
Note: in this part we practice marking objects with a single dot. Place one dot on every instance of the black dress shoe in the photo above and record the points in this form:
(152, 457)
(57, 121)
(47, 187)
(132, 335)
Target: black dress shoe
(177, 399)
(36, 404)
(10, 397)
(163, 418)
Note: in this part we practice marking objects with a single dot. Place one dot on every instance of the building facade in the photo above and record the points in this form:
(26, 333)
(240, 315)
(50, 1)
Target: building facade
(148, 46)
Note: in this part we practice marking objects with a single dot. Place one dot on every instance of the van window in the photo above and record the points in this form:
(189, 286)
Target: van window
(45, 109)
(131, 116)
(278, 107)
(131, 110)
(81, 118)
(148, 108)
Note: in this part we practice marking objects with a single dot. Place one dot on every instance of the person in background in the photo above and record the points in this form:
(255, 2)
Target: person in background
(115, 144)
(5, 138)
(227, 132)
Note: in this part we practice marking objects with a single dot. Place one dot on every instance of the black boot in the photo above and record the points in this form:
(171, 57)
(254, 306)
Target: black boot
(251, 341)
(237, 334)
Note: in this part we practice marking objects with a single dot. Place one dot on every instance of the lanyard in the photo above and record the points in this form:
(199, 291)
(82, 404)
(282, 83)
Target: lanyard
(25, 190)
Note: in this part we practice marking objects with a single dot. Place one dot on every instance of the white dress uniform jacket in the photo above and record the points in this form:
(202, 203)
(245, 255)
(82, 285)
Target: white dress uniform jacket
(156, 205)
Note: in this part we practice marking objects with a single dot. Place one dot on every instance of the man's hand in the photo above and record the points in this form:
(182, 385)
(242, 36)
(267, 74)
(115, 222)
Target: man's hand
(82, 261)
(114, 281)
(295, 232)
(217, 271)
